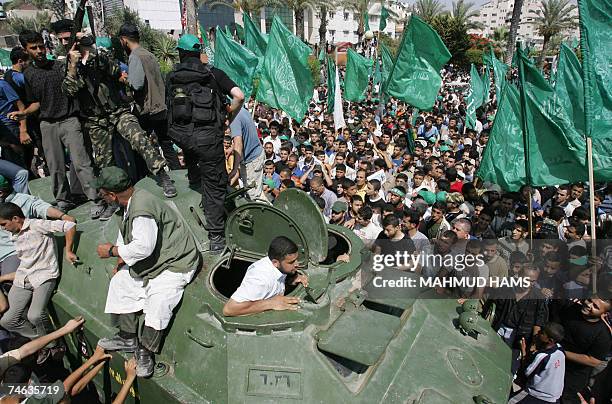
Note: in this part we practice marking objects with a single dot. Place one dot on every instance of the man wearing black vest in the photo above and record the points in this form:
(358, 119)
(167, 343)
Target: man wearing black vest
(156, 258)
(196, 97)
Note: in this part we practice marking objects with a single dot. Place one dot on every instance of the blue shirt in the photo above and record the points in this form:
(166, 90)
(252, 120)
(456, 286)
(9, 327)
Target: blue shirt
(8, 96)
(244, 126)
(276, 178)
(427, 134)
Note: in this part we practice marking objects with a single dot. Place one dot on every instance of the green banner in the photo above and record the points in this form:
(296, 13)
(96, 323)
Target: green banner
(415, 77)
(207, 48)
(357, 76)
(474, 98)
(236, 61)
(331, 84)
(286, 81)
(384, 14)
(387, 62)
(253, 39)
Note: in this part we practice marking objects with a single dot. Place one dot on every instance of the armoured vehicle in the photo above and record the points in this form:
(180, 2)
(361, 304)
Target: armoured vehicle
(341, 346)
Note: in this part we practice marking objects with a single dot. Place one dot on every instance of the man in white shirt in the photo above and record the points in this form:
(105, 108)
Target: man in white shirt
(150, 276)
(365, 229)
(263, 286)
(273, 137)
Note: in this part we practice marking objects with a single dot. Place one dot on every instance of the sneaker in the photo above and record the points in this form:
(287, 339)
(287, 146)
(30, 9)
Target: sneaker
(65, 206)
(97, 209)
(108, 212)
(117, 343)
(166, 183)
(145, 362)
(216, 244)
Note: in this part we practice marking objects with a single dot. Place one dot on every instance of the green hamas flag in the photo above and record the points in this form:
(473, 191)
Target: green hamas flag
(236, 61)
(387, 62)
(356, 78)
(207, 48)
(503, 159)
(596, 46)
(474, 98)
(377, 72)
(556, 151)
(253, 39)
(499, 71)
(384, 14)
(486, 85)
(569, 87)
(331, 84)
(286, 81)
(366, 21)
(321, 56)
(240, 32)
(415, 77)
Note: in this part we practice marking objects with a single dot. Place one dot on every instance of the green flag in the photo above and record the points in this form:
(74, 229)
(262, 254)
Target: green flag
(356, 78)
(499, 72)
(384, 14)
(569, 87)
(253, 39)
(596, 46)
(556, 151)
(286, 81)
(207, 48)
(236, 61)
(387, 62)
(415, 77)
(474, 98)
(377, 72)
(503, 159)
(240, 32)
(366, 21)
(321, 56)
(331, 84)
(486, 86)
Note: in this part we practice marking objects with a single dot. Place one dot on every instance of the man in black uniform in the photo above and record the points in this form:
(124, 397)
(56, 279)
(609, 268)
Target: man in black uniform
(196, 97)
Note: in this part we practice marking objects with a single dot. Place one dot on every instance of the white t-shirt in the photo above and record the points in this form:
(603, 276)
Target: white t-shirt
(368, 234)
(262, 281)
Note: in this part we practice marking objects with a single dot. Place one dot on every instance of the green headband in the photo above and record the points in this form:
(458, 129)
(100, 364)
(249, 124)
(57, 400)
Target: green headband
(398, 192)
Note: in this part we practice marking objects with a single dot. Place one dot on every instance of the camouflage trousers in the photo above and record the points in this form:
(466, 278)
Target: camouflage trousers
(101, 130)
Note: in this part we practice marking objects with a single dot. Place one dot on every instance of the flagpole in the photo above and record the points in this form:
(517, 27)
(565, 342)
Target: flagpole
(337, 73)
(589, 143)
(525, 140)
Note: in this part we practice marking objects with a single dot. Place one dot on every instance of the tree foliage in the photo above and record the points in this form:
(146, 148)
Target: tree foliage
(463, 13)
(455, 37)
(428, 10)
(554, 17)
(37, 23)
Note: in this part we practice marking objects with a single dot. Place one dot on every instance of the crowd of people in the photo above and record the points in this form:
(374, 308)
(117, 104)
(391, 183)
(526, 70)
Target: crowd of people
(399, 178)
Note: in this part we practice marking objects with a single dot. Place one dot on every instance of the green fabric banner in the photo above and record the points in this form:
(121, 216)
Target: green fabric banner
(474, 97)
(503, 159)
(331, 84)
(596, 46)
(253, 39)
(556, 150)
(569, 87)
(415, 77)
(387, 62)
(366, 21)
(486, 85)
(356, 78)
(286, 81)
(240, 32)
(499, 71)
(236, 61)
(384, 14)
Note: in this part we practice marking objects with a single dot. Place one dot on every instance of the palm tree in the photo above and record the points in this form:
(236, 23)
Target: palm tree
(554, 17)
(463, 13)
(322, 25)
(428, 9)
(514, 24)
(499, 38)
(361, 7)
(165, 51)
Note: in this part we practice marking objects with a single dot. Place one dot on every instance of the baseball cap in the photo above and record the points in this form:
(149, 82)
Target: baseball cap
(467, 141)
(189, 43)
(428, 196)
(339, 206)
(441, 196)
(112, 179)
(4, 183)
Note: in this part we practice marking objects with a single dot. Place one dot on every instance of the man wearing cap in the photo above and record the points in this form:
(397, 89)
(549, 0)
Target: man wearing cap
(93, 78)
(338, 213)
(144, 77)
(196, 97)
(59, 122)
(33, 208)
(156, 258)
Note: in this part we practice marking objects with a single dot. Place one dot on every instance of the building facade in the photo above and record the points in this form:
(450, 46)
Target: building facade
(498, 13)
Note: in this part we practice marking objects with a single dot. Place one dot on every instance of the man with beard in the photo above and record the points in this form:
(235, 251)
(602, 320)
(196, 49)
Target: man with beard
(149, 91)
(396, 198)
(587, 342)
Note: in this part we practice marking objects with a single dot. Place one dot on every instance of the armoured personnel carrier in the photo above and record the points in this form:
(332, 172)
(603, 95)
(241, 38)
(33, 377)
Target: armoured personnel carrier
(341, 346)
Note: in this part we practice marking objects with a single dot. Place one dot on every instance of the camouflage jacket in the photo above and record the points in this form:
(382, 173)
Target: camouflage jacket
(97, 86)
